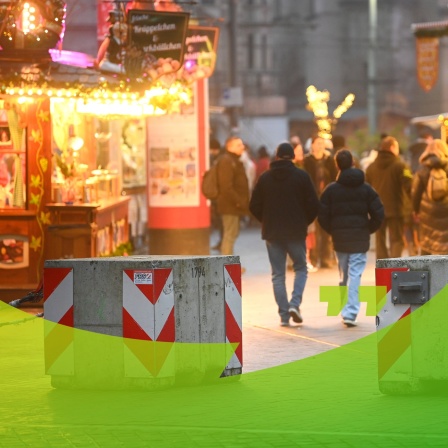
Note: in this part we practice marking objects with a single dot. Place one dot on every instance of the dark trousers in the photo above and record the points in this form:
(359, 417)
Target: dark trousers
(394, 228)
(322, 255)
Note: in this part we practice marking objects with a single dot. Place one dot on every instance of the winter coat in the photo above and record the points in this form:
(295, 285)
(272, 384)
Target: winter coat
(350, 210)
(433, 215)
(233, 197)
(392, 179)
(322, 171)
(285, 202)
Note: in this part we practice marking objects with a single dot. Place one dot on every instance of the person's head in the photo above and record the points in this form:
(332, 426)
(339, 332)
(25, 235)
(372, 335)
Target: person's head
(235, 145)
(262, 152)
(338, 142)
(438, 148)
(284, 151)
(4, 137)
(295, 140)
(120, 30)
(390, 144)
(344, 159)
(317, 146)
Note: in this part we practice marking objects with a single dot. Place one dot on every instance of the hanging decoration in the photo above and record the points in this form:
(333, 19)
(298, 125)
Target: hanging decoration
(427, 56)
(318, 104)
(32, 25)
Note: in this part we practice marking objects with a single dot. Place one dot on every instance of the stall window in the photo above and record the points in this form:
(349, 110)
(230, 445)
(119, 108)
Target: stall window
(12, 159)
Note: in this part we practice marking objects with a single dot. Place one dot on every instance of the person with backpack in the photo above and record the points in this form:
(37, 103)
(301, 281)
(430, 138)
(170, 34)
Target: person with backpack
(233, 192)
(430, 199)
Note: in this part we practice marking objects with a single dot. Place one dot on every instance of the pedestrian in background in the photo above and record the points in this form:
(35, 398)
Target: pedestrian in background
(391, 177)
(320, 165)
(215, 218)
(263, 161)
(430, 213)
(350, 210)
(233, 198)
(285, 202)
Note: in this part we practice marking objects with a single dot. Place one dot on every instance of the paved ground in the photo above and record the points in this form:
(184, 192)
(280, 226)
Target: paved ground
(266, 344)
(321, 401)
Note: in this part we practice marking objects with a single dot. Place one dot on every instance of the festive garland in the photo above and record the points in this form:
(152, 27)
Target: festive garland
(44, 36)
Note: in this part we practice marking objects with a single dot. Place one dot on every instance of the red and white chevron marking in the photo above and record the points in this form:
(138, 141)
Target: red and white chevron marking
(58, 308)
(233, 312)
(148, 315)
(383, 277)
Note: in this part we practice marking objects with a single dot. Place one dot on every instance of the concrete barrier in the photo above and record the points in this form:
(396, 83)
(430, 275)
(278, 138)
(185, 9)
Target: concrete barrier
(412, 324)
(135, 310)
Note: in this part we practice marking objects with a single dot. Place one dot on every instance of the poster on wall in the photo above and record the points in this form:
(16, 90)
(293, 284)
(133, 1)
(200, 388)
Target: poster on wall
(156, 42)
(173, 162)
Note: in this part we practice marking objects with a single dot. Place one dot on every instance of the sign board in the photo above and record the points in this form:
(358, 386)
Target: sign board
(232, 97)
(156, 42)
(200, 52)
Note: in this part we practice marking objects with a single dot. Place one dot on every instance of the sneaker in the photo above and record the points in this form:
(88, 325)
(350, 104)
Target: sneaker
(349, 322)
(311, 268)
(295, 315)
(284, 324)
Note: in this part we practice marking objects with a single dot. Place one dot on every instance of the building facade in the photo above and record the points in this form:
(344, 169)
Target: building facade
(272, 50)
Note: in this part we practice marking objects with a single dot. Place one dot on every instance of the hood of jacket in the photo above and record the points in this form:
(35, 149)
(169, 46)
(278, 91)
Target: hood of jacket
(384, 159)
(282, 169)
(351, 177)
(432, 161)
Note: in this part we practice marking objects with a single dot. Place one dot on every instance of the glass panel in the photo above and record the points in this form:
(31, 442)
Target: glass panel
(14, 252)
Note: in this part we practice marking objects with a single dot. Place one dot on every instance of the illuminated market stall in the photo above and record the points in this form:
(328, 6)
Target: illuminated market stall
(79, 144)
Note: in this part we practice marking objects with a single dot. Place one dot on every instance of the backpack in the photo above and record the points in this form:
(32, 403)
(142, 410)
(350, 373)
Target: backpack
(437, 186)
(209, 185)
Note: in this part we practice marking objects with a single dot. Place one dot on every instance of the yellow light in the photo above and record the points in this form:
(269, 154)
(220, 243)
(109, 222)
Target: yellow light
(21, 92)
(50, 92)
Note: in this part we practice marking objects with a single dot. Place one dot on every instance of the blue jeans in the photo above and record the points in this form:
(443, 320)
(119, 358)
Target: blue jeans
(351, 267)
(277, 251)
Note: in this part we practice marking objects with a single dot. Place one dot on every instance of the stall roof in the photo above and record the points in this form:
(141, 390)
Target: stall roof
(432, 121)
(55, 70)
(430, 29)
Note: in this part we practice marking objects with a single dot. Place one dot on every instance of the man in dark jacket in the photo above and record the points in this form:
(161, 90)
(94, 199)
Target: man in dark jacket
(392, 179)
(233, 197)
(285, 202)
(350, 210)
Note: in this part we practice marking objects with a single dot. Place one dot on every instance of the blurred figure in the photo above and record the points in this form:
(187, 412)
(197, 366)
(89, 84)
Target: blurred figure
(431, 214)
(390, 176)
(262, 162)
(215, 218)
(417, 149)
(350, 210)
(320, 165)
(285, 203)
(251, 174)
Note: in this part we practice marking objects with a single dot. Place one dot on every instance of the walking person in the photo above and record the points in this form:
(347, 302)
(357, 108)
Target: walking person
(233, 198)
(285, 202)
(319, 164)
(350, 210)
(391, 177)
(432, 212)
